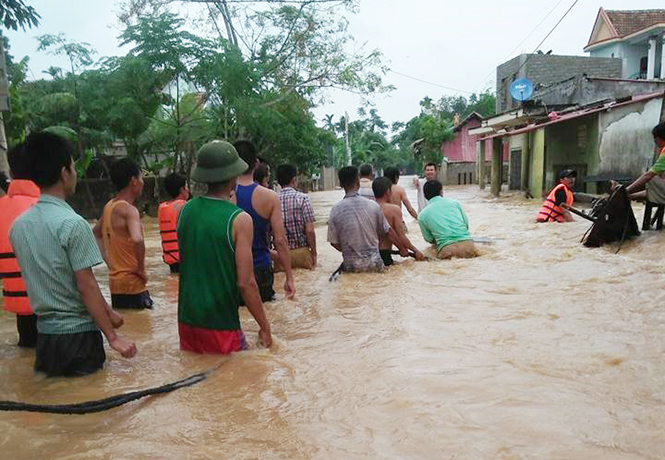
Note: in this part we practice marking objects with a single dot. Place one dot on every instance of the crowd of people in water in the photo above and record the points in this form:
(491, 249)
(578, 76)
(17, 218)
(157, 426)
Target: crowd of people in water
(225, 245)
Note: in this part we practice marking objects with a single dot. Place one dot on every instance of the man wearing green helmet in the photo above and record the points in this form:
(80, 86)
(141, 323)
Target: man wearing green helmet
(216, 265)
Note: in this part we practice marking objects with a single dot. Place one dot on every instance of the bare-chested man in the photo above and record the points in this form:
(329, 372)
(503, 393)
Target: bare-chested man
(398, 192)
(382, 193)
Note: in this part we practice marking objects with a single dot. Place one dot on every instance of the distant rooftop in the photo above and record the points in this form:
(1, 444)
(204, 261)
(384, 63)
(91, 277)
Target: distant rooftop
(617, 24)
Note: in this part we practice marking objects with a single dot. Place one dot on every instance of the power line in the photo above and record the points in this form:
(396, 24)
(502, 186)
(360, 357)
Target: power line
(527, 37)
(547, 36)
(430, 83)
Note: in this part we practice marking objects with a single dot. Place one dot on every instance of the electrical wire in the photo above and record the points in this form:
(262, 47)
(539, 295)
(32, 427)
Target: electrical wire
(430, 83)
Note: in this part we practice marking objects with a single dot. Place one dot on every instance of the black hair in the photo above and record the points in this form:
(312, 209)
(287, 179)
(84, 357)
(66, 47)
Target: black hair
(365, 170)
(432, 188)
(380, 186)
(285, 174)
(247, 152)
(431, 164)
(19, 167)
(261, 172)
(4, 181)
(122, 172)
(45, 156)
(392, 173)
(173, 183)
(348, 176)
(659, 131)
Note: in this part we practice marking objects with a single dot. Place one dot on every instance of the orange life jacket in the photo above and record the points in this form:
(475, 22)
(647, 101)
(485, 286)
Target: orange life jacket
(168, 221)
(20, 196)
(550, 212)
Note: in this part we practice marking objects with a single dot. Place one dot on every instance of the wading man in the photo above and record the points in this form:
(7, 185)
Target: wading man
(444, 224)
(382, 188)
(356, 226)
(265, 209)
(365, 189)
(398, 193)
(298, 217)
(431, 171)
(56, 251)
(216, 267)
(176, 186)
(120, 235)
(562, 193)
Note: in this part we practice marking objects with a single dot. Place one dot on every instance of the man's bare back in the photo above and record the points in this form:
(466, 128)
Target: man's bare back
(398, 197)
(393, 215)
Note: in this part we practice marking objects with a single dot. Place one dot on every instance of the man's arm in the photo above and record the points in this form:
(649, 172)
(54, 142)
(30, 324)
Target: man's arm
(427, 235)
(282, 245)
(407, 204)
(311, 240)
(133, 220)
(242, 239)
(640, 182)
(105, 318)
(401, 236)
(99, 237)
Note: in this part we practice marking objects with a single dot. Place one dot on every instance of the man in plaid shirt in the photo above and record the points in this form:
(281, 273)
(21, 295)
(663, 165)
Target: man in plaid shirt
(298, 219)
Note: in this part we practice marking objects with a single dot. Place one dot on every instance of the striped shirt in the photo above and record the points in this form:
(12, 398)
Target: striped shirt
(296, 212)
(52, 242)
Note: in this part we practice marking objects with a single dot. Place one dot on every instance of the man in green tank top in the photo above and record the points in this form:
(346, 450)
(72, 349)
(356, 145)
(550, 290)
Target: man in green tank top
(216, 265)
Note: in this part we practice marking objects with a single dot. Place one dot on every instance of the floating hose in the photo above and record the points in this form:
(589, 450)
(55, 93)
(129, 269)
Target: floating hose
(100, 405)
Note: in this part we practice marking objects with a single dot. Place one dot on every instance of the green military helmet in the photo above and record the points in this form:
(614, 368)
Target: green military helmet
(64, 132)
(217, 161)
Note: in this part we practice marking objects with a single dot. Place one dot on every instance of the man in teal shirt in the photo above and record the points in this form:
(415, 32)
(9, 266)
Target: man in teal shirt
(444, 224)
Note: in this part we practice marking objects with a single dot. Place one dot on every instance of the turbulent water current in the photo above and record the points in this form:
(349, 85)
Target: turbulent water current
(539, 349)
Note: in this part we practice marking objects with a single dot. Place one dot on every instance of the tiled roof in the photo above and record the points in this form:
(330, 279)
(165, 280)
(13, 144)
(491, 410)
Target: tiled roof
(627, 22)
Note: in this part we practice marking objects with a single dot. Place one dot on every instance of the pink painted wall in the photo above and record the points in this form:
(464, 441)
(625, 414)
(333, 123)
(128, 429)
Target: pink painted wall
(463, 146)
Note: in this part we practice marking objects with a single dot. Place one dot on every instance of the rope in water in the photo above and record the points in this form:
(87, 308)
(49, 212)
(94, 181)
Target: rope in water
(100, 405)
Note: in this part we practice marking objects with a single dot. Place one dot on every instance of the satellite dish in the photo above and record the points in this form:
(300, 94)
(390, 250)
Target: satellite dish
(521, 89)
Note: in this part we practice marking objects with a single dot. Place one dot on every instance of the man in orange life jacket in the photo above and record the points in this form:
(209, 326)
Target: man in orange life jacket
(562, 193)
(21, 195)
(176, 186)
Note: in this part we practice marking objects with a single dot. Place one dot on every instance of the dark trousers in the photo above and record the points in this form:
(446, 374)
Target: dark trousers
(27, 330)
(134, 301)
(265, 278)
(69, 355)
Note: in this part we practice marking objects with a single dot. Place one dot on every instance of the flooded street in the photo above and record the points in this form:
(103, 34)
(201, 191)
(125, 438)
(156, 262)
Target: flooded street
(539, 349)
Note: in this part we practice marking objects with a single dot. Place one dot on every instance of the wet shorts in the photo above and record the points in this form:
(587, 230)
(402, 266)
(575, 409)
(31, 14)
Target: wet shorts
(27, 330)
(201, 340)
(135, 301)
(387, 257)
(69, 355)
(175, 268)
(265, 279)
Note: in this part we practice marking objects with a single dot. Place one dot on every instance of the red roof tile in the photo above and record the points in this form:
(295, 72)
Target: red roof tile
(627, 22)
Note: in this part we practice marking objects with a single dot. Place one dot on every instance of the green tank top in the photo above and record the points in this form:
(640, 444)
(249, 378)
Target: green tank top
(208, 295)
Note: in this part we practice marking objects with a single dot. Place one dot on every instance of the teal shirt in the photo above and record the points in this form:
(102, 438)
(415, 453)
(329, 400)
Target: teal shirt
(443, 222)
(52, 242)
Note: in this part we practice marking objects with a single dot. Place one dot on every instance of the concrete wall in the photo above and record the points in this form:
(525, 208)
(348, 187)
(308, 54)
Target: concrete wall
(630, 56)
(537, 162)
(626, 144)
(548, 69)
(460, 173)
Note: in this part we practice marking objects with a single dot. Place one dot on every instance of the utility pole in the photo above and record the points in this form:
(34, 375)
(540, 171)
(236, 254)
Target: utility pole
(348, 145)
(4, 106)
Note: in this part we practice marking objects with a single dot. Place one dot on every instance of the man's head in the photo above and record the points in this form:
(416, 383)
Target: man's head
(392, 173)
(430, 171)
(287, 175)
(348, 178)
(262, 174)
(218, 165)
(366, 171)
(381, 188)
(126, 175)
(19, 167)
(568, 176)
(432, 188)
(49, 161)
(659, 134)
(247, 153)
(175, 185)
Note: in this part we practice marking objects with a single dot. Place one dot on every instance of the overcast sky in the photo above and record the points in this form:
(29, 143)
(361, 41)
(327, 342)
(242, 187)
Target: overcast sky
(453, 44)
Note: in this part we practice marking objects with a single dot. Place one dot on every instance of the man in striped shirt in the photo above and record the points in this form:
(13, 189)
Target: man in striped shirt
(56, 251)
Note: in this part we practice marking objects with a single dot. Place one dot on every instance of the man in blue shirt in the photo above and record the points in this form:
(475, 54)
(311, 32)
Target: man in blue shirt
(56, 251)
(444, 224)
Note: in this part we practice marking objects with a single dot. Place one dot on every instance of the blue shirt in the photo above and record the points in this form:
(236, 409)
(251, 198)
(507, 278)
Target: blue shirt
(443, 222)
(52, 242)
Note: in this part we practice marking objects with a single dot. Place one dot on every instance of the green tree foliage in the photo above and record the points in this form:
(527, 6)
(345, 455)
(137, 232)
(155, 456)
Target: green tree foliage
(15, 14)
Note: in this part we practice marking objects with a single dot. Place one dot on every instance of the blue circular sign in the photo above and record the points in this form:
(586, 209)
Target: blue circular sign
(521, 89)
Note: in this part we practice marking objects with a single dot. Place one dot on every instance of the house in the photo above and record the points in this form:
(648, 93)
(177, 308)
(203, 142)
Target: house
(634, 36)
(546, 69)
(459, 164)
(601, 141)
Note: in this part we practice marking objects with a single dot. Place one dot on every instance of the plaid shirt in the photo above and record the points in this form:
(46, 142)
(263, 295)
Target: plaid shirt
(296, 212)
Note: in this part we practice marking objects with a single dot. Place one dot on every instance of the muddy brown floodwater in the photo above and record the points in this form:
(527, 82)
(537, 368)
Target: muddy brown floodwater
(539, 349)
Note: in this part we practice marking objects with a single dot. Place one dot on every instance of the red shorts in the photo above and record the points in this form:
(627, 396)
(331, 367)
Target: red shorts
(201, 340)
